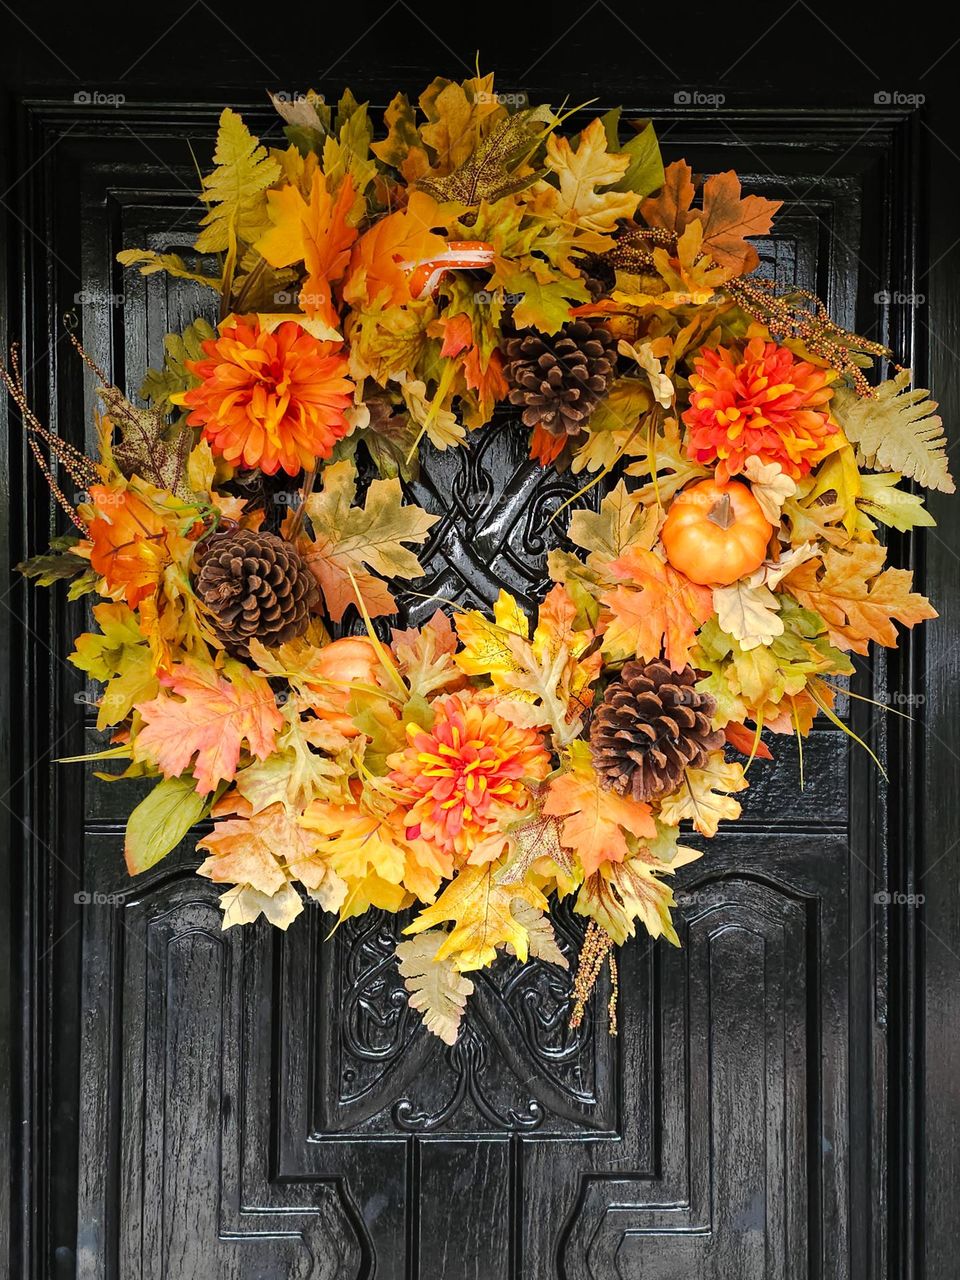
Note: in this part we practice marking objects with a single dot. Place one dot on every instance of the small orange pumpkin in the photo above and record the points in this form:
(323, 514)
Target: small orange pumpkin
(339, 666)
(715, 533)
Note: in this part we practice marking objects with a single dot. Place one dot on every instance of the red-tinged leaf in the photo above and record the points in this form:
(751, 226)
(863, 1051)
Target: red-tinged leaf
(742, 738)
(204, 721)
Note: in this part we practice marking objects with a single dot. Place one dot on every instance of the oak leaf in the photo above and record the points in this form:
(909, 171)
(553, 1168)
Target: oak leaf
(858, 598)
(347, 540)
(437, 990)
(583, 174)
(771, 486)
(206, 718)
(704, 795)
(243, 904)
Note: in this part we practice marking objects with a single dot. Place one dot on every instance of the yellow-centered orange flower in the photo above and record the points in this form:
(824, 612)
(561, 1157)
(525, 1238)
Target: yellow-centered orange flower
(459, 779)
(270, 400)
(758, 400)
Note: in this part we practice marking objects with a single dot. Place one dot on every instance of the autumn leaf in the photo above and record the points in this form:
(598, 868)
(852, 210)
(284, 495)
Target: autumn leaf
(704, 796)
(294, 773)
(316, 233)
(541, 938)
(496, 167)
(425, 657)
(347, 539)
(749, 612)
(254, 849)
(437, 990)
(727, 217)
(549, 671)
(207, 715)
(402, 148)
(594, 819)
(377, 272)
(135, 533)
(622, 522)
(480, 907)
(459, 117)
(654, 610)
(669, 209)
(236, 188)
(858, 598)
(150, 262)
(896, 430)
(243, 904)
(770, 485)
(120, 657)
(582, 174)
(619, 894)
(882, 500)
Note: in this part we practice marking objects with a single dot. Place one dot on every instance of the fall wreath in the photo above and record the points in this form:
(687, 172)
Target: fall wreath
(373, 294)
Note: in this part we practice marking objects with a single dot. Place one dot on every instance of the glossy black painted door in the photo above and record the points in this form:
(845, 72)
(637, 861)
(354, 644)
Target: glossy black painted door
(195, 1105)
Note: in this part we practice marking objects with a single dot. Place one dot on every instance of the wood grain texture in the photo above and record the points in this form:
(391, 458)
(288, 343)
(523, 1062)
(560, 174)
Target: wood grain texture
(201, 1105)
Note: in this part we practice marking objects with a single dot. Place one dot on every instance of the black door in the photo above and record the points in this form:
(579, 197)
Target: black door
(782, 1100)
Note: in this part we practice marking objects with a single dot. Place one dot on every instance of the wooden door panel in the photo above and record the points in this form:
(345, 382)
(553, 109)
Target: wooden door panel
(256, 1104)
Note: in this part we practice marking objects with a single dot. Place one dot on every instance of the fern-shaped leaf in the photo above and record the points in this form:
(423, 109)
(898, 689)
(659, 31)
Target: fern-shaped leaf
(235, 190)
(898, 430)
(437, 991)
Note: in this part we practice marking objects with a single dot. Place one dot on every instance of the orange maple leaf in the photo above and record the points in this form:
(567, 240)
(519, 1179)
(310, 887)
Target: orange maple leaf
(316, 233)
(727, 216)
(211, 717)
(857, 598)
(376, 265)
(655, 610)
(131, 542)
(593, 818)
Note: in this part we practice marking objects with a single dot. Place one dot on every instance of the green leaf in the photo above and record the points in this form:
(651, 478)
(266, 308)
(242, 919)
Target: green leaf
(544, 305)
(55, 565)
(645, 171)
(160, 821)
(160, 384)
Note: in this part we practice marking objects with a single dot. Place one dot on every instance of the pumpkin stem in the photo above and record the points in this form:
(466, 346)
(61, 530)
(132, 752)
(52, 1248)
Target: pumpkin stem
(721, 513)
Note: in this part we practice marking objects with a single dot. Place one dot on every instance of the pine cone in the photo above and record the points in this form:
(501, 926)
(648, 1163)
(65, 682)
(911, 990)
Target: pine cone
(599, 274)
(651, 726)
(255, 585)
(559, 378)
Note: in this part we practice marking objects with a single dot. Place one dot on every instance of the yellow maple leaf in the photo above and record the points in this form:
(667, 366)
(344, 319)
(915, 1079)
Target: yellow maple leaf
(479, 905)
(594, 819)
(857, 597)
(654, 610)
(459, 117)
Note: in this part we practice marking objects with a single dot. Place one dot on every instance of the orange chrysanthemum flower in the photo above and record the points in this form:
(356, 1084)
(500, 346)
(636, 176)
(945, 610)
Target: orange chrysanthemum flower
(270, 400)
(758, 400)
(458, 779)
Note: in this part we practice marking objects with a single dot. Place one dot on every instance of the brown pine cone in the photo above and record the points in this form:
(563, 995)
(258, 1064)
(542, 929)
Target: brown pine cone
(559, 378)
(653, 724)
(255, 585)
